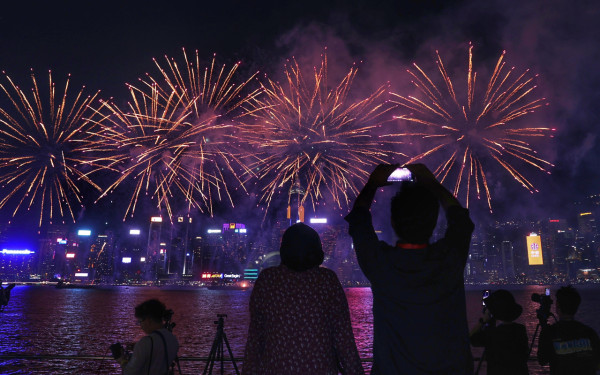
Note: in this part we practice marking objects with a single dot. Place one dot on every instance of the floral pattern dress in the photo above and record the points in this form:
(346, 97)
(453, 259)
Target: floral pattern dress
(300, 324)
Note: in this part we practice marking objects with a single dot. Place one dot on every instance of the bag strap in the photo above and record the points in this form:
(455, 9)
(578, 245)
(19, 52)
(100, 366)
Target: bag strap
(151, 350)
(165, 346)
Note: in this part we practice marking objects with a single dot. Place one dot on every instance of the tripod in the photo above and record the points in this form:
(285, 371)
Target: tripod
(543, 321)
(170, 325)
(216, 351)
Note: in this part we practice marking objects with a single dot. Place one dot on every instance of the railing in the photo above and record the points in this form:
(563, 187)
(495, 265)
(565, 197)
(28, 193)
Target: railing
(101, 358)
(181, 359)
(196, 361)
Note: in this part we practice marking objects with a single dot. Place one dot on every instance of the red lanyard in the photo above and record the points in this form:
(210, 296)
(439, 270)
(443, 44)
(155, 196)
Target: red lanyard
(411, 245)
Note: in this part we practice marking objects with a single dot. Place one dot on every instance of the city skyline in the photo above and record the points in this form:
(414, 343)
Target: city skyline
(182, 252)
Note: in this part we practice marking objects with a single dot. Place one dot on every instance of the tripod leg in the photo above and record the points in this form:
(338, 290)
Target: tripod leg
(211, 356)
(480, 362)
(178, 366)
(533, 338)
(221, 357)
(230, 354)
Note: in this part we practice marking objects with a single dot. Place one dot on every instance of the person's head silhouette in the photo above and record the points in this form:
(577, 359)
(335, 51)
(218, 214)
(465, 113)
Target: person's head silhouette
(502, 306)
(301, 248)
(414, 213)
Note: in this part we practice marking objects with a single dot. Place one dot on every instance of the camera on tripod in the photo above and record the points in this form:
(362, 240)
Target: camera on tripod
(117, 350)
(543, 312)
(168, 315)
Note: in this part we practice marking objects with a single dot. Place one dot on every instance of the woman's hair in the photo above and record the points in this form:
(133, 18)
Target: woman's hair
(301, 248)
(152, 308)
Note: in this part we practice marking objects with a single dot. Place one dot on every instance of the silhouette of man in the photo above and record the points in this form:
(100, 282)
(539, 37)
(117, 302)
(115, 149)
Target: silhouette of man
(569, 346)
(419, 311)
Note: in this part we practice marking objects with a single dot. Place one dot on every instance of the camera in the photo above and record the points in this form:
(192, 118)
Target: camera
(400, 174)
(543, 312)
(167, 316)
(117, 350)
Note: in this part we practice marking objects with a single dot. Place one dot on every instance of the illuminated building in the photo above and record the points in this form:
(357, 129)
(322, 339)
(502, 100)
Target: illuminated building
(475, 267)
(587, 223)
(180, 258)
(132, 249)
(211, 253)
(156, 256)
(235, 237)
(102, 258)
(16, 264)
(587, 240)
(559, 243)
(52, 249)
(508, 261)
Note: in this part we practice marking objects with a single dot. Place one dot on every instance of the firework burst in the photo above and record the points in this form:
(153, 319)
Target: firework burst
(177, 136)
(482, 127)
(43, 149)
(310, 139)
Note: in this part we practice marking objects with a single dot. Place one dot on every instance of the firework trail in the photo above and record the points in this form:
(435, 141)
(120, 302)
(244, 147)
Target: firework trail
(309, 138)
(43, 149)
(481, 128)
(178, 136)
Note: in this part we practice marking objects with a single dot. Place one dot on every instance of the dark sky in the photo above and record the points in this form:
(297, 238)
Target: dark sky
(105, 44)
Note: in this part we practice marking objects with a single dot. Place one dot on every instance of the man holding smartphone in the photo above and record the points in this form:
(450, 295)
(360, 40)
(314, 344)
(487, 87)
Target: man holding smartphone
(419, 310)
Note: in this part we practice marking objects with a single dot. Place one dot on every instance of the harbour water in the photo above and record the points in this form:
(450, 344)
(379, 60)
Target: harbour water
(43, 320)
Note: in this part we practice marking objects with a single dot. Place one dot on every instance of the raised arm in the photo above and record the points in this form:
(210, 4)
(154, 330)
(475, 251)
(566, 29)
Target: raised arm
(460, 227)
(377, 179)
(361, 227)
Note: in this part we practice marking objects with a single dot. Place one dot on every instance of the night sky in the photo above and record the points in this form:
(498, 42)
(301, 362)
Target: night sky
(105, 44)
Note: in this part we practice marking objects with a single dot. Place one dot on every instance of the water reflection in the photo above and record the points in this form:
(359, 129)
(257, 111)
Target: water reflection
(44, 320)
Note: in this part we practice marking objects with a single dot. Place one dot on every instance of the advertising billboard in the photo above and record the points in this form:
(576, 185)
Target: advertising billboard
(534, 249)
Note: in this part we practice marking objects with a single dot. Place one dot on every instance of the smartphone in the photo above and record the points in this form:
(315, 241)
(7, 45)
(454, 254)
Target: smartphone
(400, 174)
(484, 295)
(547, 292)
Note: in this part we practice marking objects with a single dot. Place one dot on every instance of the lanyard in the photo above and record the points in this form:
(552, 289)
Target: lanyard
(411, 246)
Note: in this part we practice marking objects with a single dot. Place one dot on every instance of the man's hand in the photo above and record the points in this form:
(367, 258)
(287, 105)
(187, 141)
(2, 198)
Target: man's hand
(377, 179)
(380, 175)
(421, 174)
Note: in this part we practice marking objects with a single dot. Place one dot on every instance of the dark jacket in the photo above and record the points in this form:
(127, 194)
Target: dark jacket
(419, 310)
(506, 348)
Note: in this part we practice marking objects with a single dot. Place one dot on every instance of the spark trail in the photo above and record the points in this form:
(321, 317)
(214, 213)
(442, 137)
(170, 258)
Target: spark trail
(178, 135)
(483, 127)
(44, 142)
(311, 138)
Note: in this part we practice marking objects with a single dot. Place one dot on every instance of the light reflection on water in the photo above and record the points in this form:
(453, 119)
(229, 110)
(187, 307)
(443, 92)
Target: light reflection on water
(44, 321)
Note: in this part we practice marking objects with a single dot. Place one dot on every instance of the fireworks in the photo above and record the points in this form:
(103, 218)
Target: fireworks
(43, 149)
(178, 135)
(309, 138)
(482, 127)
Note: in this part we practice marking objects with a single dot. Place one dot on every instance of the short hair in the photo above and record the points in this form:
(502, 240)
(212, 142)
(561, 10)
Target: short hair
(415, 211)
(152, 308)
(568, 299)
(301, 248)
